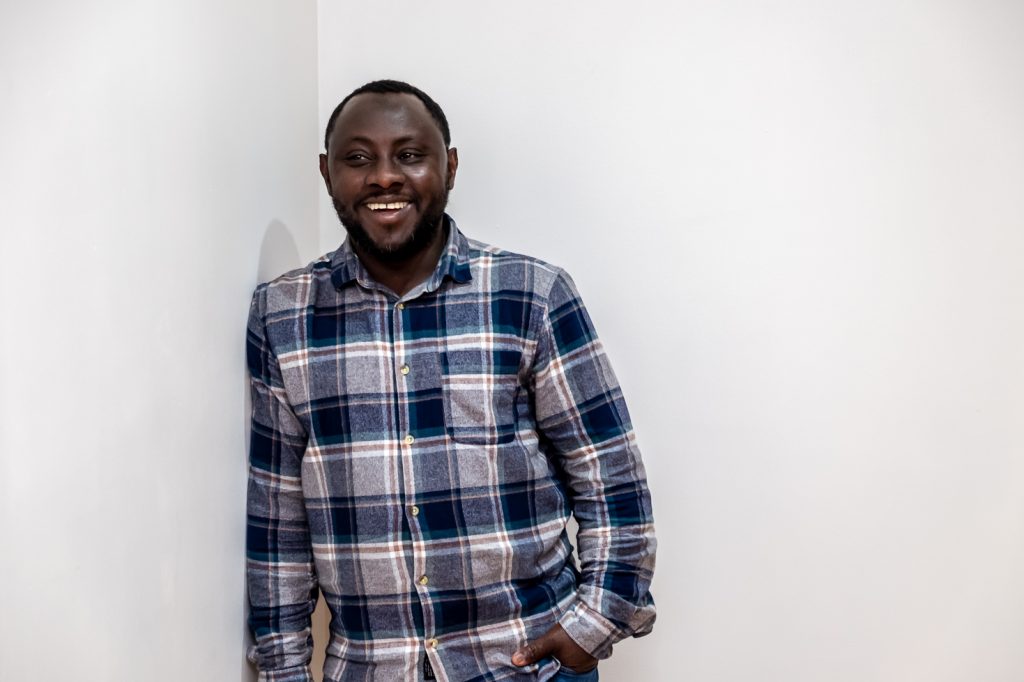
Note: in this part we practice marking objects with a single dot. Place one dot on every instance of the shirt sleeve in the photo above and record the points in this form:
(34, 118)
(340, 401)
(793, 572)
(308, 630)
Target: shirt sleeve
(279, 561)
(582, 417)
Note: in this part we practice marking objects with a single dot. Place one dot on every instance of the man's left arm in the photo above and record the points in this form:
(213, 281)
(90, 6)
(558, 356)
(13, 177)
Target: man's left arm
(581, 413)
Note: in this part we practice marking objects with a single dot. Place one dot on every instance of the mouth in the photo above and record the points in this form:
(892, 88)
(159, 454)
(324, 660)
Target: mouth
(378, 206)
(387, 213)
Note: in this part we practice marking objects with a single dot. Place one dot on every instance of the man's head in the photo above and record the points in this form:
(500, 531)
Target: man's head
(389, 167)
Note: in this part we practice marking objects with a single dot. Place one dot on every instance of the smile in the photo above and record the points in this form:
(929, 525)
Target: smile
(387, 207)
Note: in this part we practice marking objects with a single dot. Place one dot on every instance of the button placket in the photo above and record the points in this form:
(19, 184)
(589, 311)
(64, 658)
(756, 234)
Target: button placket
(398, 350)
(405, 384)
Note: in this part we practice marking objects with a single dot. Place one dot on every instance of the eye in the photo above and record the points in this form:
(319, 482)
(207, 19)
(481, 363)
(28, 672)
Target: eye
(356, 158)
(409, 155)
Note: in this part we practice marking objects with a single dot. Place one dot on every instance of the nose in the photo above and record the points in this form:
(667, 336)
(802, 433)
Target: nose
(385, 173)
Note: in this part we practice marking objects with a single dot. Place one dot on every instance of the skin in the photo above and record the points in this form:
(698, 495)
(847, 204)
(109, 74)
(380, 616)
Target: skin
(387, 148)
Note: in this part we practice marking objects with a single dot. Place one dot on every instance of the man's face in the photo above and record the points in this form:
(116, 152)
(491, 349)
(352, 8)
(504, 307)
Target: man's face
(388, 173)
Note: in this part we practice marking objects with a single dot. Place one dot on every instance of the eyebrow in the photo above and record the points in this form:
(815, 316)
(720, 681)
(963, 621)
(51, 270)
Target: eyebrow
(405, 139)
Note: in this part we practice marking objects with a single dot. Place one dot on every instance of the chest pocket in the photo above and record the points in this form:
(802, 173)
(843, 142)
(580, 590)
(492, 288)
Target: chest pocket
(481, 390)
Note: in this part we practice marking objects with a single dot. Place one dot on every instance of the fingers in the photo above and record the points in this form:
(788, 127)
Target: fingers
(556, 643)
(533, 651)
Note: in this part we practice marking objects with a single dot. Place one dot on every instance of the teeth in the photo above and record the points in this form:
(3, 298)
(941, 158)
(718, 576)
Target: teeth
(390, 207)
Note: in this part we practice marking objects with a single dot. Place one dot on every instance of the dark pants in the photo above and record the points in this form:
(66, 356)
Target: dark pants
(566, 675)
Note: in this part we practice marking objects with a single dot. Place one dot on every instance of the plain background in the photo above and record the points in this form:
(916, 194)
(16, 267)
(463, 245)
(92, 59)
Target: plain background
(156, 162)
(799, 227)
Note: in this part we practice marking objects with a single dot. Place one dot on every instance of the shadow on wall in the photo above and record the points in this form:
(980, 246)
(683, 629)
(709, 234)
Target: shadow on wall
(278, 254)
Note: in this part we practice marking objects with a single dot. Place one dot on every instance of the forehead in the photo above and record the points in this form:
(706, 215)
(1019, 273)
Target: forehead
(385, 117)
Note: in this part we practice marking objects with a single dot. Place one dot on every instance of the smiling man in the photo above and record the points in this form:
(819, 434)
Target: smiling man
(428, 412)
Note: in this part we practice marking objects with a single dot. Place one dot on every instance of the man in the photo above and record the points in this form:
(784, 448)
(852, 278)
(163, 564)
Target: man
(427, 412)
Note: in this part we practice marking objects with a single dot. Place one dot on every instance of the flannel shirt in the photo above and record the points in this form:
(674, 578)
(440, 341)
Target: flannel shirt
(416, 459)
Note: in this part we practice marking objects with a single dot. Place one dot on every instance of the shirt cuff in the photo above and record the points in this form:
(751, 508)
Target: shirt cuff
(299, 673)
(589, 629)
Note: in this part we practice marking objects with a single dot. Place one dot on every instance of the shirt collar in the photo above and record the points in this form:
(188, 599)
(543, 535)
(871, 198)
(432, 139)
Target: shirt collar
(453, 263)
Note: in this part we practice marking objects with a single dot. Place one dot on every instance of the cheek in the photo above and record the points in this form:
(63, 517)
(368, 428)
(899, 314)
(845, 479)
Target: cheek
(346, 188)
(428, 181)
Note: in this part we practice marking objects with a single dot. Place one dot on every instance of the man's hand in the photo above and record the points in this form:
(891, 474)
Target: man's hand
(556, 643)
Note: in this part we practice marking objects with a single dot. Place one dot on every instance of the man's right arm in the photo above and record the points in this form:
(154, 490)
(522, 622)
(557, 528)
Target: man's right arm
(281, 576)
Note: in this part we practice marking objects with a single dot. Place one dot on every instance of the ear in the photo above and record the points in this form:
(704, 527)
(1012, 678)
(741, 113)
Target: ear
(453, 165)
(325, 173)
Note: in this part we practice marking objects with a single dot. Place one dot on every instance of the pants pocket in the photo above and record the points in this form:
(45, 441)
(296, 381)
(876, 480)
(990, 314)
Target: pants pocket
(567, 675)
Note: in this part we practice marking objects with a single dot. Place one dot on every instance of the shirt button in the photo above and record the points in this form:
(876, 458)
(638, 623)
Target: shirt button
(409, 439)
(405, 369)
(400, 306)
(432, 643)
(423, 580)
(414, 510)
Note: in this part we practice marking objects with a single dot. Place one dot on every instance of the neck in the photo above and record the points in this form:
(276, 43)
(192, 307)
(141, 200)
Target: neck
(401, 276)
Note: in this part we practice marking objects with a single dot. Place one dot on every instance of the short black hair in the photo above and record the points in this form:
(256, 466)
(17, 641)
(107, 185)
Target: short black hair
(383, 87)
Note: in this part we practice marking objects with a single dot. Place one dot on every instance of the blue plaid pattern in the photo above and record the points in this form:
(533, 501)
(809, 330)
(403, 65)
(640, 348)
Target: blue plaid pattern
(416, 460)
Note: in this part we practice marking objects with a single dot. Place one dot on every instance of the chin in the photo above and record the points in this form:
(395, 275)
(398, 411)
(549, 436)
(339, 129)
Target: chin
(392, 240)
(393, 246)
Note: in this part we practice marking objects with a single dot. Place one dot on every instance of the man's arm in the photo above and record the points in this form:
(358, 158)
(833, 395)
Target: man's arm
(581, 413)
(281, 577)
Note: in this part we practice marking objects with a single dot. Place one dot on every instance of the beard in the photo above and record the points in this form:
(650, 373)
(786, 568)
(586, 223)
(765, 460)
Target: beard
(421, 238)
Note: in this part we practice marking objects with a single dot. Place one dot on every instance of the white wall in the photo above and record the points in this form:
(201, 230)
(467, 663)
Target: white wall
(156, 159)
(800, 229)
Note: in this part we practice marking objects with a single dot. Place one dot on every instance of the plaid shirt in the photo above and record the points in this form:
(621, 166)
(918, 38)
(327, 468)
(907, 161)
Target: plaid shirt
(417, 459)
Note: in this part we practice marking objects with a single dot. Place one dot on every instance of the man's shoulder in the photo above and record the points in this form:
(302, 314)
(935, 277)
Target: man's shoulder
(511, 267)
(287, 289)
(479, 249)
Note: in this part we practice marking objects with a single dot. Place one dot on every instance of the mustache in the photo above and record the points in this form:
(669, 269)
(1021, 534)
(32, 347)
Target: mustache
(387, 197)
